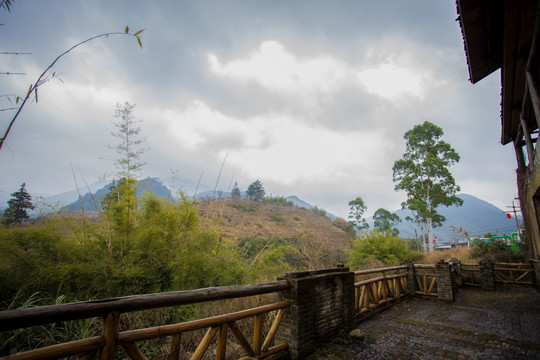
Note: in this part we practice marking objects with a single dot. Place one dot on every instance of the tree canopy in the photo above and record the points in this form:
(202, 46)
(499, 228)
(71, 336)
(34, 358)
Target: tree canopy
(235, 192)
(356, 213)
(19, 203)
(128, 162)
(423, 173)
(255, 191)
(384, 220)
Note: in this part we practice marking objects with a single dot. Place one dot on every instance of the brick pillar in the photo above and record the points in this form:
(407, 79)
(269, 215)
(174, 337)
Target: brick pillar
(411, 279)
(455, 266)
(445, 289)
(322, 306)
(488, 279)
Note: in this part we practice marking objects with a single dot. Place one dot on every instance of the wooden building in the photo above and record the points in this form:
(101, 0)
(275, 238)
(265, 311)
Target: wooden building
(503, 34)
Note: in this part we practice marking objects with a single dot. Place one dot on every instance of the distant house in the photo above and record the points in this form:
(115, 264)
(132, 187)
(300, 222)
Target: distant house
(503, 34)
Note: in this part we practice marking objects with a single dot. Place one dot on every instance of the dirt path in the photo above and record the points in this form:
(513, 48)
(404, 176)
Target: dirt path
(504, 324)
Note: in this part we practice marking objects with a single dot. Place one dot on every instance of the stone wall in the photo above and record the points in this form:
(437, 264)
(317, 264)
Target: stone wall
(322, 306)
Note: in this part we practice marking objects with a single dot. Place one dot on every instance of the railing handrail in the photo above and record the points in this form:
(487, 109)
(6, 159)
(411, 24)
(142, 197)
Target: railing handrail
(424, 266)
(21, 318)
(380, 278)
(371, 271)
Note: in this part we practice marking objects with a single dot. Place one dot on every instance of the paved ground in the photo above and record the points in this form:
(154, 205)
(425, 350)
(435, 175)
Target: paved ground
(504, 324)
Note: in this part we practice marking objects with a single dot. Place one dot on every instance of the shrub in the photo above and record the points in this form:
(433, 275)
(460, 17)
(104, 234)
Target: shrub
(380, 246)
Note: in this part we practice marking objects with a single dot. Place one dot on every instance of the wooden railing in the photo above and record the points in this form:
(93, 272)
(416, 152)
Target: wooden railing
(471, 275)
(426, 279)
(389, 286)
(513, 273)
(111, 309)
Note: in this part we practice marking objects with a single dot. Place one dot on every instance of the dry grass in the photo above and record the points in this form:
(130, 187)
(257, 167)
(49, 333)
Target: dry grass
(462, 253)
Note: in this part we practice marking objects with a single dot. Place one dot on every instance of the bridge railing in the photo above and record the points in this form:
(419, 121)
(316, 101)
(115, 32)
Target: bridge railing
(106, 343)
(370, 293)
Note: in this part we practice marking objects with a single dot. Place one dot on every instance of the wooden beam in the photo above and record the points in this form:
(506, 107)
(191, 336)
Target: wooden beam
(527, 137)
(167, 330)
(111, 323)
(134, 352)
(205, 343)
(62, 350)
(176, 342)
(20, 318)
(242, 339)
(533, 93)
(221, 342)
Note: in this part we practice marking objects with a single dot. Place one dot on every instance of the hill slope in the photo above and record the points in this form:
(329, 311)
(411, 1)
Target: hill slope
(316, 236)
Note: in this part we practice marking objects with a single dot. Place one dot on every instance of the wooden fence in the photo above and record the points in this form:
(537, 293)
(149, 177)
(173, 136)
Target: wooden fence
(426, 279)
(389, 286)
(513, 273)
(471, 274)
(321, 303)
(110, 338)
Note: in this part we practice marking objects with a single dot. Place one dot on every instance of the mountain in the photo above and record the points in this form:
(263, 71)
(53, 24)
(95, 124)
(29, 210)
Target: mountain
(477, 217)
(91, 201)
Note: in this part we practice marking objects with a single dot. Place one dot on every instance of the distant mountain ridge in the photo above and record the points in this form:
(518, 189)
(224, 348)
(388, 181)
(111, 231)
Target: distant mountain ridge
(92, 201)
(475, 216)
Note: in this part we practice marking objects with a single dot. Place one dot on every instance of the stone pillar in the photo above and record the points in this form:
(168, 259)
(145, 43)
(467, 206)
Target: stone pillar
(486, 271)
(455, 266)
(535, 264)
(445, 289)
(411, 279)
(322, 306)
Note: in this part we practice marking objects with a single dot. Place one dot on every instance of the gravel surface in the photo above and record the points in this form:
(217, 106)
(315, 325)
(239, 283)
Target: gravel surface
(504, 324)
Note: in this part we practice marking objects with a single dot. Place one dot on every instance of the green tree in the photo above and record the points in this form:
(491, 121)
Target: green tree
(356, 213)
(119, 206)
(18, 204)
(255, 191)
(384, 220)
(423, 174)
(235, 192)
(128, 163)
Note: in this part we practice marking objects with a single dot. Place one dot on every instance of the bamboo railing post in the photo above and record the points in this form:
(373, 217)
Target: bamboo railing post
(257, 333)
(176, 341)
(221, 342)
(205, 342)
(244, 343)
(134, 352)
(111, 323)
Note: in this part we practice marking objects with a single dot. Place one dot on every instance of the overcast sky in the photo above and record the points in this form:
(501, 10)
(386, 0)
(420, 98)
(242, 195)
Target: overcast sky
(312, 97)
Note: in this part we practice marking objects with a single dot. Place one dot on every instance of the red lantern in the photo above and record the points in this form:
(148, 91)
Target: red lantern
(509, 216)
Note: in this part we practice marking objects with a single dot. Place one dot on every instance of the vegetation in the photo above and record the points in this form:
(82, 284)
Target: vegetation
(423, 174)
(128, 162)
(280, 200)
(319, 211)
(356, 214)
(497, 250)
(235, 192)
(382, 247)
(255, 191)
(19, 203)
(384, 220)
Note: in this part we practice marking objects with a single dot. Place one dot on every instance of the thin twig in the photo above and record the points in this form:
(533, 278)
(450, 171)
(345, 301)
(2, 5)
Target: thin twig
(44, 77)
